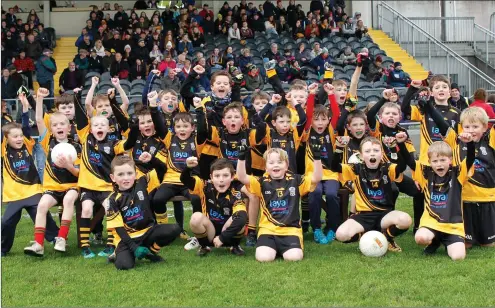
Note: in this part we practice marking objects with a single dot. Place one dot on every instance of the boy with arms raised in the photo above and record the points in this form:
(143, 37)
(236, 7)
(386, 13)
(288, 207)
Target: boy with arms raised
(372, 179)
(223, 211)
(60, 178)
(129, 214)
(279, 190)
(21, 187)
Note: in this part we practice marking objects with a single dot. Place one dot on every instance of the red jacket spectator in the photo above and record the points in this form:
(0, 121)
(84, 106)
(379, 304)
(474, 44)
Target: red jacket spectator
(480, 101)
(25, 65)
(205, 11)
(162, 67)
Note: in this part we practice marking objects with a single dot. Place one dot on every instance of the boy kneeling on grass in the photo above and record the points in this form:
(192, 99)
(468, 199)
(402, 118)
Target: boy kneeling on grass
(223, 210)
(129, 214)
(279, 191)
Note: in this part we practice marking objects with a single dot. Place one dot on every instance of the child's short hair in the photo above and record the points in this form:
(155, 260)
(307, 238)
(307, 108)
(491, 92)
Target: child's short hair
(339, 83)
(282, 153)
(120, 161)
(233, 106)
(490, 99)
(141, 110)
(10, 126)
(166, 91)
(185, 117)
(440, 148)
(390, 105)
(218, 74)
(480, 94)
(281, 111)
(222, 163)
(298, 87)
(299, 82)
(64, 99)
(100, 117)
(356, 114)
(373, 140)
(474, 114)
(369, 106)
(321, 110)
(58, 115)
(261, 95)
(438, 78)
(99, 98)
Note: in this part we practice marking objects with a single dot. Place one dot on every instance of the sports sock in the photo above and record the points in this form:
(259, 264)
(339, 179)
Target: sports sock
(64, 229)
(305, 208)
(110, 238)
(179, 214)
(60, 212)
(236, 240)
(39, 235)
(251, 228)
(161, 218)
(202, 239)
(84, 231)
(155, 248)
(393, 231)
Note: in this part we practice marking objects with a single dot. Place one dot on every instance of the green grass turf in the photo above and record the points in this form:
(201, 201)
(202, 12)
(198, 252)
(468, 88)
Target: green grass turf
(331, 275)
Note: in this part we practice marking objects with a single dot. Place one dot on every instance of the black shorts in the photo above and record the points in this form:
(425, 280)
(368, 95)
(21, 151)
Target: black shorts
(280, 243)
(445, 238)
(370, 220)
(479, 222)
(59, 195)
(96, 196)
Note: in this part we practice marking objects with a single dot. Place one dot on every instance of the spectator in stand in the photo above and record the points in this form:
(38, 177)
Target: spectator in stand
(298, 31)
(185, 70)
(70, 79)
(319, 62)
(140, 5)
(282, 69)
(33, 48)
(270, 25)
(234, 33)
(198, 39)
(397, 77)
(109, 22)
(82, 62)
(244, 60)
(21, 41)
(156, 25)
(46, 67)
(127, 55)
(95, 20)
(348, 28)
(25, 66)
(316, 51)
(119, 68)
(361, 30)
(90, 28)
(170, 50)
(155, 39)
(100, 50)
(456, 99)
(85, 44)
(154, 65)
(141, 52)
(121, 19)
(80, 39)
(156, 53)
(273, 53)
(490, 100)
(115, 43)
(254, 80)
(375, 70)
(185, 45)
(206, 12)
(215, 62)
(246, 32)
(9, 86)
(325, 28)
(166, 63)
(268, 9)
(347, 57)
(292, 15)
(10, 17)
(224, 9)
(170, 80)
(282, 25)
(257, 24)
(108, 59)
(208, 26)
(138, 70)
(316, 6)
(339, 15)
(303, 55)
(95, 62)
(480, 101)
(312, 30)
(152, 4)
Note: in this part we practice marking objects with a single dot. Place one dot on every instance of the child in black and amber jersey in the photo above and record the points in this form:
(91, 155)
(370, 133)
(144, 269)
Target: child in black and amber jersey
(223, 210)
(21, 187)
(279, 190)
(129, 214)
(60, 177)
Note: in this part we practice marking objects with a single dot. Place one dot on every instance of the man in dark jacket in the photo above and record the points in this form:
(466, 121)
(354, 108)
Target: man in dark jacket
(257, 23)
(121, 19)
(107, 60)
(33, 48)
(456, 99)
(70, 79)
(273, 53)
(141, 52)
(9, 86)
(115, 43)
(268, 8)
(95, 62)
(46, 67)
(119, 68)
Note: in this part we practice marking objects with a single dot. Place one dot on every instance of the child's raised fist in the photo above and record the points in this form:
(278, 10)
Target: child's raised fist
(416, 83)
(342, 141)
(42, 92)
(276, 98)
(152, 97)
(115, 81)
(95, 80)
(145, 157)
(111, 93)
(156, 72)
(313, 88)
(199, 69)
(191, 162)
(465, 137)
(387, 93)
(401, 137)
(197, 102)
(328, 88)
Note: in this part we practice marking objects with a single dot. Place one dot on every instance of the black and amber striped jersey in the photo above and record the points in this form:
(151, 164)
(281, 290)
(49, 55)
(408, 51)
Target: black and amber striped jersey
(352, 149)
(430, 131)
(391, 154)
(73, 130)
(481, 186)
(177, 153)
(289, 143)
(326, 139)
(6, 118)
(219, 207)
(228, 144)
(279, 202)
(131, 209)
(55, 178)
(152, 145)
(19, 174)
(373, 187)
(443, 197)
(96, 158)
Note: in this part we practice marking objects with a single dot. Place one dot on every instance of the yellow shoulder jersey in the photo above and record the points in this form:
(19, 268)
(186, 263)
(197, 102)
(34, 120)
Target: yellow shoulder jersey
(288, 142)
(391, 154)
(177, 153)
(326, 139)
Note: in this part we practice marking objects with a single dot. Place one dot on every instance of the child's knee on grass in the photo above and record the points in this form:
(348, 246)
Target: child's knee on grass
(423, 236)
(265, 254)
(347, 230)
(404, 221)
(294, 254)
(456, 251)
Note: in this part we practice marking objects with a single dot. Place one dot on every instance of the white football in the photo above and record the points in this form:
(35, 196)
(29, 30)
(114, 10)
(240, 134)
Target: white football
(373, 244)
(66, 149)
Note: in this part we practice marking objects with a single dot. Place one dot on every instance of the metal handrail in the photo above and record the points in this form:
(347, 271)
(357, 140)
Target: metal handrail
(450, 53)
(485, 30)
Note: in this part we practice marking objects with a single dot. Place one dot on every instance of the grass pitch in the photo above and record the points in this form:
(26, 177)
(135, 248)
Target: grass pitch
(330, 275)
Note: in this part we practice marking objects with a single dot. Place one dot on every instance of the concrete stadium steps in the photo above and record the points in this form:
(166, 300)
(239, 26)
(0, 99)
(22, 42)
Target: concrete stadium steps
(393, 50)
(63, 54)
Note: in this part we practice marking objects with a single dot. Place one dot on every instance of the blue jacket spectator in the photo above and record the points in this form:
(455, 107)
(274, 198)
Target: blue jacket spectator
(80, 39)
(319, 62)
(185, 44)
(397, 77)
